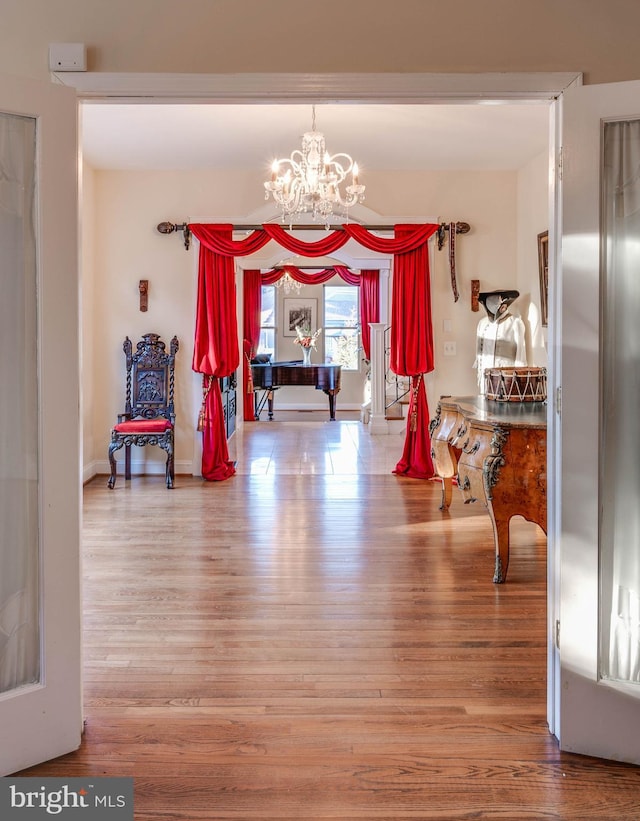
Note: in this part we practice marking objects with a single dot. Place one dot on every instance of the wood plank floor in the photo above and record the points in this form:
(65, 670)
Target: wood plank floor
(313, 639)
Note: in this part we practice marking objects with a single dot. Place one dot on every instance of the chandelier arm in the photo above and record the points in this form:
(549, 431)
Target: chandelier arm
(334, 160)
(347, 202)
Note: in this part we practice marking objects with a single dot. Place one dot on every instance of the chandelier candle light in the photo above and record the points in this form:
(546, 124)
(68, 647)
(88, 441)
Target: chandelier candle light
(310, 179)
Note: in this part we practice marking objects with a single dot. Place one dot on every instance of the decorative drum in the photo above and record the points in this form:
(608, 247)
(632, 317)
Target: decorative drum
(516, 384)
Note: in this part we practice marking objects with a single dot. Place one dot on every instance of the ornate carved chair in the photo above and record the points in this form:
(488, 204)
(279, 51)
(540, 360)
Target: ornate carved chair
(149, 416)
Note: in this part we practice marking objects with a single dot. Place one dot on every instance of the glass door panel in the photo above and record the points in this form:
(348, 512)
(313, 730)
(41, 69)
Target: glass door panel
(619, 544)
(19, 553)
(40, 653)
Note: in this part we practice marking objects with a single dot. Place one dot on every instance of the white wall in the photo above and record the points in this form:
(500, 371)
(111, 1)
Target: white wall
(533, 219)
(124, 247)
(487, 201)
(204, 36)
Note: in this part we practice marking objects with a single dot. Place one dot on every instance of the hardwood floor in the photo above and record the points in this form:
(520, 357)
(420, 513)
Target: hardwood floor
(314, 639)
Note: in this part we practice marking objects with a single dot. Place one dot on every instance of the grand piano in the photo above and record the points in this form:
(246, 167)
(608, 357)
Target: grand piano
(267, 377)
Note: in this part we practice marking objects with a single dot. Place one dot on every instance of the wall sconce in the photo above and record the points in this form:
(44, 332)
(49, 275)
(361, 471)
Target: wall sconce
(475, 293)
(143, 287)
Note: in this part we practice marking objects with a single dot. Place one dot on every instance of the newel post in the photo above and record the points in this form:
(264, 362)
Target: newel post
(377, 420)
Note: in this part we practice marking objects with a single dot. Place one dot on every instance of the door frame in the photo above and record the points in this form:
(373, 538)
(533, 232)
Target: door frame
(611, 704)
(43, 719)
(407, 89)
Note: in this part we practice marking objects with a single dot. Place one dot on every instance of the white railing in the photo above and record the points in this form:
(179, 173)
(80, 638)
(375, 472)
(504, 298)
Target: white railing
(397, 387)
(387, 389)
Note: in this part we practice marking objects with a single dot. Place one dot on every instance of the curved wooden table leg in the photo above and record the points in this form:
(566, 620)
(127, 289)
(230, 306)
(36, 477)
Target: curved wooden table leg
(447, 492)
(501, 538)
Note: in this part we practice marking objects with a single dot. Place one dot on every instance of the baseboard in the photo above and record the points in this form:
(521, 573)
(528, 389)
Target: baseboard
(398, 425)
(89, 471)
(315, 406)
(138, 468)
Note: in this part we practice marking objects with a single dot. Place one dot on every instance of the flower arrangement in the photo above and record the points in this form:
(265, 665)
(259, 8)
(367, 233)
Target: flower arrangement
(305, 338)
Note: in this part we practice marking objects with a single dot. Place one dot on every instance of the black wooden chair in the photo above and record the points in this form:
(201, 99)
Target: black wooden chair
(149, 416)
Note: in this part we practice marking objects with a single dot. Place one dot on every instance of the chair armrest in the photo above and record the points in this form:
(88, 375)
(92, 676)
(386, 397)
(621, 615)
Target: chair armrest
(124, 417)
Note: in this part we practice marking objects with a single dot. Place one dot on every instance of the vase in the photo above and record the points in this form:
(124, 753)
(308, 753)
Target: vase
(306, 355)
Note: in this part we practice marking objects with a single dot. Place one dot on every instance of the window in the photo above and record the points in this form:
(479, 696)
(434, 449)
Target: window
(267, 343)
(341, 330)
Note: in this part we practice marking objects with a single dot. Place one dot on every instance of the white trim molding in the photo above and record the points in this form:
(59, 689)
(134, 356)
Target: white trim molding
(291, 88)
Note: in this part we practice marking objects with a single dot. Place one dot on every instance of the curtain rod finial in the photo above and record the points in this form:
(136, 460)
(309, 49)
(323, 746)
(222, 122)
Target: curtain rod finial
(170, 227)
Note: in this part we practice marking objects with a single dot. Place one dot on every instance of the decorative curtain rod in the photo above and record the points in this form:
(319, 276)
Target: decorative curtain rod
(170, 228)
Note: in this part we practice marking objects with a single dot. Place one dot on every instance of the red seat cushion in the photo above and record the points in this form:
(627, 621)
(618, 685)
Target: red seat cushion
(143, 426)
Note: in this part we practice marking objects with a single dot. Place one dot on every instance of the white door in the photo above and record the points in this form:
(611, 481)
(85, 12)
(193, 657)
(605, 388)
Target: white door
(599, 634)
(40, 679)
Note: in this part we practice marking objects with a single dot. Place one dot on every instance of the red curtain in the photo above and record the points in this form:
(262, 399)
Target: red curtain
(369, 306)
(412, 350)
(215, 352)
(411, 341)
(252, 303)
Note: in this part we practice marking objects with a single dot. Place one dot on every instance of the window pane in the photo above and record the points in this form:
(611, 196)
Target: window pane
(267, 342)
(340, 306)
(342, 348)
(341, 331)
(268, 313)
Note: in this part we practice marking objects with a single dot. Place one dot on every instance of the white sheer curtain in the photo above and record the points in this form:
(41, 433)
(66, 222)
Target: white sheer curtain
(620, 444)
(19, 554)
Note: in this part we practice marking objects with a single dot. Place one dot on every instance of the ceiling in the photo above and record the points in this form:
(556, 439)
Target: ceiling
(382, 137)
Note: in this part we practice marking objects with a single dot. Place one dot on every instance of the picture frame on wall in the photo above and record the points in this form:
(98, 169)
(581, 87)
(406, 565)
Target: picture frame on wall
(300, 312)
(543, 269)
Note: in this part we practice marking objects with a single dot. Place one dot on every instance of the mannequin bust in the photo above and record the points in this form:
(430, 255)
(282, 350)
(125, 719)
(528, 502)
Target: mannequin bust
(500, 335)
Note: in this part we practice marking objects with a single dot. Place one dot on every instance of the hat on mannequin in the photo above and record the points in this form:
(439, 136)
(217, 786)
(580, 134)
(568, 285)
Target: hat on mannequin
(496, 303)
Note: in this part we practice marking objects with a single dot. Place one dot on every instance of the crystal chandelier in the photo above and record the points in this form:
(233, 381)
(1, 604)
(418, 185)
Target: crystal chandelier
(310, 179)
(289, 284)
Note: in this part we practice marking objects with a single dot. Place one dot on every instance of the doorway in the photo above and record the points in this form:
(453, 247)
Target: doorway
(557, 84)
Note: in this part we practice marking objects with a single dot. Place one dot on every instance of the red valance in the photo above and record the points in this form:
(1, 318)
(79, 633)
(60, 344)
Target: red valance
(217, 238)
(407, 238)
(310, 278)
(327, 245)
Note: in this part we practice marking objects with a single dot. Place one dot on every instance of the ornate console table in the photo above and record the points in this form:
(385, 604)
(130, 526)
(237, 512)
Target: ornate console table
(497, 451)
